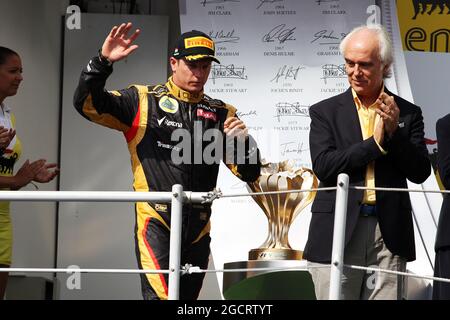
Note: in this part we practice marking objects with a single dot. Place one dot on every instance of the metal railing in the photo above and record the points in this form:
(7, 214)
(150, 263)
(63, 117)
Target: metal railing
(177, 197)
(337, 255)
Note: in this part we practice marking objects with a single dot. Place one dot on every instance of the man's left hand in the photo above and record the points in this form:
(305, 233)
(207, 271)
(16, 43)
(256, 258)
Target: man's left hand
(234, 127)
(389, 112)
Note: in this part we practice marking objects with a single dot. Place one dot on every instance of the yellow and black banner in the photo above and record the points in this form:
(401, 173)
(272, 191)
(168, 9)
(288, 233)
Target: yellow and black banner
(424, 25)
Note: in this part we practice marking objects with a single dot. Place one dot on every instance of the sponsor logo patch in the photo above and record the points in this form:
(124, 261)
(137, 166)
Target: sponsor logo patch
(198, 42)
(169, 123)
(203, 106)
(161, 207)
(206, 114)
(168, 104)
(167, 146)
(160, 120)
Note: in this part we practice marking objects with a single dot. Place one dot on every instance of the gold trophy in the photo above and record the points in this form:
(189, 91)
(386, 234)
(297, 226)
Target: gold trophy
(281, 209)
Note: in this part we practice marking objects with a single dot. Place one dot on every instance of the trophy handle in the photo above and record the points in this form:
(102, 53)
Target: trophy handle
(255, 187)
(283, 215)
(290, 208)
(274, 203)
(311, 182)
(263, 203)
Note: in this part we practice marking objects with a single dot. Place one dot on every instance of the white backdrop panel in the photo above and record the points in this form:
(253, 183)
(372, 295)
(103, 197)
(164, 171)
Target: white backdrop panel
(277, 58)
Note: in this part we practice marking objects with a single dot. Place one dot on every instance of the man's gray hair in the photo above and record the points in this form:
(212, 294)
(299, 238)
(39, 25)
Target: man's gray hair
(386, 53)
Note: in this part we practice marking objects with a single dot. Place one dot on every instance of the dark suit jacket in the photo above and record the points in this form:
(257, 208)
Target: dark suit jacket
(337, 146)
(443, 164)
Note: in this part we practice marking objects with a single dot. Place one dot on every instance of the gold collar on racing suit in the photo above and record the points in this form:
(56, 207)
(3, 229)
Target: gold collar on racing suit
(183, 95)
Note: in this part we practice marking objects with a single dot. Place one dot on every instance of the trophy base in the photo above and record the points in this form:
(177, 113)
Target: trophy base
(275, 254)
(261, 283)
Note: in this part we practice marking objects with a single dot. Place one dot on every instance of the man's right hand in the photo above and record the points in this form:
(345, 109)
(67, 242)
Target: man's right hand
(378, 133)
(117, 45)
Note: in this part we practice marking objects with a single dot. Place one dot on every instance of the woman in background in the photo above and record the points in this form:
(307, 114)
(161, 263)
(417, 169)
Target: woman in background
(10, 150)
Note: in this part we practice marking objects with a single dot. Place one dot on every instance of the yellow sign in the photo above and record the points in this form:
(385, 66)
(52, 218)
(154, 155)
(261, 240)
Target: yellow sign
(198, 42)
(424, 25)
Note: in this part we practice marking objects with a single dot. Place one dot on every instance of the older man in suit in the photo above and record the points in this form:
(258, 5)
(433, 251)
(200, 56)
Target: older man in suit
(441, 290)
(377, 138)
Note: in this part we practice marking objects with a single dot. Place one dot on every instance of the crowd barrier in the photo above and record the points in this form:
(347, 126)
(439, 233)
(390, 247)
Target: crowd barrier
(177, 197)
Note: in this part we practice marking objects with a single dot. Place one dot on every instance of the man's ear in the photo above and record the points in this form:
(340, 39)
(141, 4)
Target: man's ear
(386, 70)
(173, 63)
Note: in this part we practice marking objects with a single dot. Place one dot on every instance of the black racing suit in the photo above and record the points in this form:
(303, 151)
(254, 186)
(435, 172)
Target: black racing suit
(147, 116)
